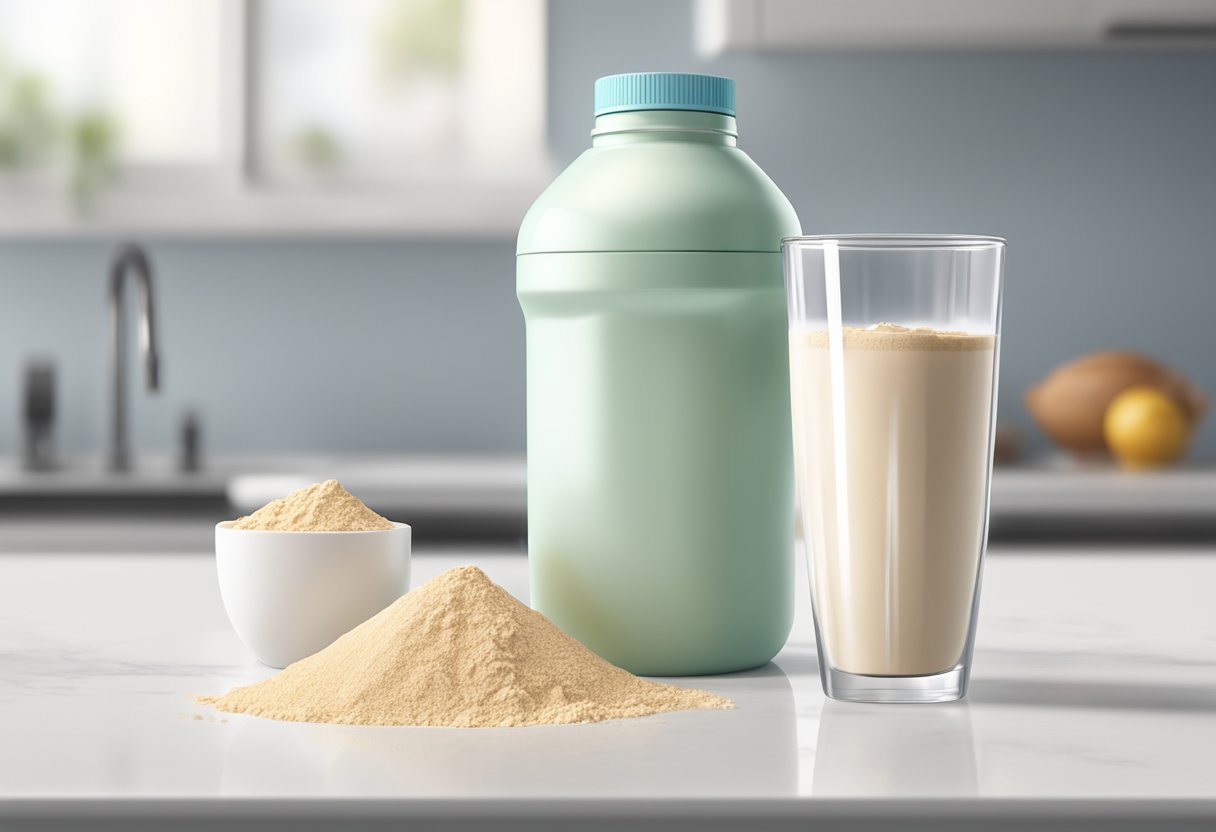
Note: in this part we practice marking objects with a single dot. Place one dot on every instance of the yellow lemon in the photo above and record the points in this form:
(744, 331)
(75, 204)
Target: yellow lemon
(1144, 427)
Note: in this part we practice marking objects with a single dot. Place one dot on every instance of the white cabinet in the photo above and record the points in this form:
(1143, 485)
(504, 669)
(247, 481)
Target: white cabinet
(725, 25)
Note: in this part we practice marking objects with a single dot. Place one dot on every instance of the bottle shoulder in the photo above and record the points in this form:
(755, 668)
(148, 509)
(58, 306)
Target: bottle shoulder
(659, 196)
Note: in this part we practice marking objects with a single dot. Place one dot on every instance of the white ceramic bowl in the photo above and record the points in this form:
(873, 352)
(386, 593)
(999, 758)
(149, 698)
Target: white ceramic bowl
(289, 594)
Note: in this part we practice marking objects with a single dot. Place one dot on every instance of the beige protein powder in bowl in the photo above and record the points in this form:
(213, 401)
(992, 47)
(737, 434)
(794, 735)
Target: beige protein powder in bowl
(323, 507)
(302, 570)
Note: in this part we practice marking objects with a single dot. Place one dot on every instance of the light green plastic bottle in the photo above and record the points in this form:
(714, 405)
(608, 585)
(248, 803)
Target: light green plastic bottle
(660, 485)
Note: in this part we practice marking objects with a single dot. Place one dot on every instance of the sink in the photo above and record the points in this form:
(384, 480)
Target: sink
(459, 486)
(157, 477)
(81, 506)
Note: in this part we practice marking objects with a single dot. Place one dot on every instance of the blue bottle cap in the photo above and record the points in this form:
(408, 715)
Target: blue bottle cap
(664, 91)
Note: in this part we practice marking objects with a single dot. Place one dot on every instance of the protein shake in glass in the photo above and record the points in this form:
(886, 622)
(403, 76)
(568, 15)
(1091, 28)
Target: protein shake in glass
(893, 363)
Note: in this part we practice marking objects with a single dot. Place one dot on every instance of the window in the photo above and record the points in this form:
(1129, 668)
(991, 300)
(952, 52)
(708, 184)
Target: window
(382, 92)
(270, 115)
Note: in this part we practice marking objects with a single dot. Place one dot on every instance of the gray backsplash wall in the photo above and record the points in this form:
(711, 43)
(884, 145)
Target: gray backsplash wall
(342, 346)
(1098, 167)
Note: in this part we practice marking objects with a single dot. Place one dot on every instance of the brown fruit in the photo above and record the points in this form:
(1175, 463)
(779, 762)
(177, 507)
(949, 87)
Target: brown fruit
(1070, 403)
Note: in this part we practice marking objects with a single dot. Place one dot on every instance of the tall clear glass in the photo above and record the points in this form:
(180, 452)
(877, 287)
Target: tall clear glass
(894, 344)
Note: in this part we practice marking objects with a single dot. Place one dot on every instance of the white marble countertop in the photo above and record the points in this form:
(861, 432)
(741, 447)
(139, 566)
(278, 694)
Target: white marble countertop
(1094, 696)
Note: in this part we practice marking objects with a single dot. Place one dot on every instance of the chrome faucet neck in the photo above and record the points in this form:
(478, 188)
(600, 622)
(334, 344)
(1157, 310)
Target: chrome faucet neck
(129, 259)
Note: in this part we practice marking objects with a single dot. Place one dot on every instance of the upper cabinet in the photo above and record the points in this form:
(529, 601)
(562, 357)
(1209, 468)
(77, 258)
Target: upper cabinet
(726, 25)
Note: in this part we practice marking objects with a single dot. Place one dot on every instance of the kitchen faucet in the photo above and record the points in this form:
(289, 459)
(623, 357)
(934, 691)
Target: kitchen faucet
(129, 257)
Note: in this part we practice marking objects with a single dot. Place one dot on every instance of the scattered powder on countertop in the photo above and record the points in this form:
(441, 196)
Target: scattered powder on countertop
(323, 507)
(458, 651)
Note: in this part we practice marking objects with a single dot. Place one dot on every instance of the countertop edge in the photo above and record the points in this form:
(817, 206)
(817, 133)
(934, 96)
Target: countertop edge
(776, 809)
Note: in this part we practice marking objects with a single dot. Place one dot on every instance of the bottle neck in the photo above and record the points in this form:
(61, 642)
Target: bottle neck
(664, 126)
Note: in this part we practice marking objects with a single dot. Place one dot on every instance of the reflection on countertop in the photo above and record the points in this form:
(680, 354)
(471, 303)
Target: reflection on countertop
(748, 752)
(895, 751)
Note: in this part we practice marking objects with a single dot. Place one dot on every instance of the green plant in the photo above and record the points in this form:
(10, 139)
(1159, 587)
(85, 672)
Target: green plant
(422, 36)
(317, 149)
(27, 126)
(35, 135)
(94, 138)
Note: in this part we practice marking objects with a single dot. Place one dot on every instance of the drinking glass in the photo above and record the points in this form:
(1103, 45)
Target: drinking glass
(894, 344)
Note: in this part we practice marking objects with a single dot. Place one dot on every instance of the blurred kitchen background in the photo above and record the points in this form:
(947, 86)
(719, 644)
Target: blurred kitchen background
(327, 194)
